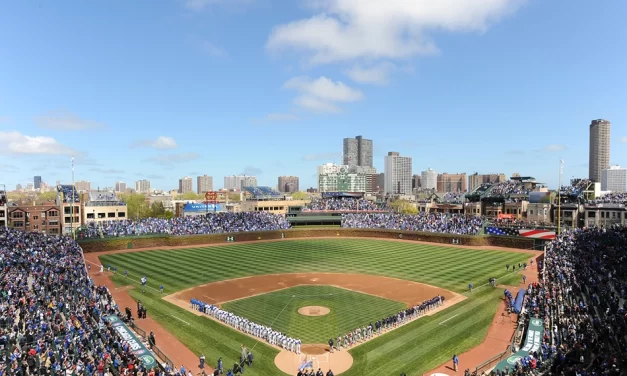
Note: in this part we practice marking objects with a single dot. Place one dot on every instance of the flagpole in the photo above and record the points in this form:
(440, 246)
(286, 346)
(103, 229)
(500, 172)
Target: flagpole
(559, 199)
(72, 201)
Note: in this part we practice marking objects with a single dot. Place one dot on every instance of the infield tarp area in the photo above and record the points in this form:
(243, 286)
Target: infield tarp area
(135, 343)
(532, 343)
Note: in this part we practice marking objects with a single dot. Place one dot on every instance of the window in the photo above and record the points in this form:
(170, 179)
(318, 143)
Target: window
(101, 215)
(121, 215)
(17, 214)
(66, 210)
(54, 213)
(111, 215)
(530, 212)
(53, 223)
(18, 224)
(35, 217)
(35, 227)
(68, 219)
(90, 215)
(1, 213)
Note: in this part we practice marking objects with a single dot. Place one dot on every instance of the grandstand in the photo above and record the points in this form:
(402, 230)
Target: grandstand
(67, 193)
(328, 209)
(261, 193)
(103, 198)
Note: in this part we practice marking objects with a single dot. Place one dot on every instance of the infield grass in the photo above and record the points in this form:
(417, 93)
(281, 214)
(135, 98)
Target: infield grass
(279, 310)
(414, 348)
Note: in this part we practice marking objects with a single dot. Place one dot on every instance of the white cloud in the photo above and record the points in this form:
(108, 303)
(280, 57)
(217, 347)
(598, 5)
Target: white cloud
(345, 30)
(375, 75)
(211, 49)
(554, 148)
(321, 94)
(17, 143)
(623, 139)
(162, 143)
(200, 5)
(66, 121)
(277, 117)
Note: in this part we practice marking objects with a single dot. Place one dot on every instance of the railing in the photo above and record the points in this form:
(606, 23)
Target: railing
(493, 361)
(156, 350)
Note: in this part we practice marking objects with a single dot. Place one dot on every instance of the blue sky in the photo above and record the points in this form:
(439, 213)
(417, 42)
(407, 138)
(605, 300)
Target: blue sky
(163, 89)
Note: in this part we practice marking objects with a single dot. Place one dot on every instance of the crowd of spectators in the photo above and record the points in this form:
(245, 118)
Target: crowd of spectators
(576, 188)
(52, 317)
(610, 198)
(507, 188)
(453, 197)
(70, 194)
(102, 196)
(581, 297)
(428, 222)
(202, 224)
(341, 204)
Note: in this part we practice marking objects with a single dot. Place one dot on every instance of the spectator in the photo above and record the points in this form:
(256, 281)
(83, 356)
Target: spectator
(342, 204)
(427, 222)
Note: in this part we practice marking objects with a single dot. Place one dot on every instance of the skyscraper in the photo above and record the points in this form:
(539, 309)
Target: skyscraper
(358, 152)
(120, 186)
(288, 184)
(599, 149)
(614, 179)
(397, 174)
(142, 186)
(238, 181)
(451, 182)
(37, 182)
(429, 179)
(204, 184)
(185, 185)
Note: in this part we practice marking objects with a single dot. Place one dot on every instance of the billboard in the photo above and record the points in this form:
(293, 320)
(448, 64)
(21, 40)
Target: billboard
(202, 208)
(540, 197)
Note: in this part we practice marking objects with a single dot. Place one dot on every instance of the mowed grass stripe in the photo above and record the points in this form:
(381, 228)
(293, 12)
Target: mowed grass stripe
(447, 267)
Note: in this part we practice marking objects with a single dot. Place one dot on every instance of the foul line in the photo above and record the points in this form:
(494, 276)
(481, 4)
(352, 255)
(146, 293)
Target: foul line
(273, 321)
(450, 318)
(180, 319)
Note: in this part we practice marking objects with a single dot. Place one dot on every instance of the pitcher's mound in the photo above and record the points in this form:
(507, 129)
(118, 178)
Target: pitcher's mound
(338, 361)
(314, 311)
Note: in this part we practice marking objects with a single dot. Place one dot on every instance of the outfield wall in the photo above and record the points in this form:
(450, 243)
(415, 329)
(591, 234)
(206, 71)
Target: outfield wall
(112, 244)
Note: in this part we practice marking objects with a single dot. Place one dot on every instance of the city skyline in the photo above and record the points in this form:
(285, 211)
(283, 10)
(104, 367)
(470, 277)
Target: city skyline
(485, 87)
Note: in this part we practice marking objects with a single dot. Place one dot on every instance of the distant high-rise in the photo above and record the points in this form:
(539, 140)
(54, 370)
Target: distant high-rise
(288, 184)
(204, 184)
(614, 179)
(416, 181)
(185, 185)
(599, 149)
(142, 186)
(429, 179)
(358, 152)
(397, 172)
(37, 182)
(236, 182)
(451, 182)
(120, 186)
(476, 180)
(83, 186)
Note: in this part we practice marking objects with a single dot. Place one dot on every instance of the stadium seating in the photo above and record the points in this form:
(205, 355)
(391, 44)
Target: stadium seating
(262, 192)
(98, 196)
(343, 204)
(70, 194)
(53, 317)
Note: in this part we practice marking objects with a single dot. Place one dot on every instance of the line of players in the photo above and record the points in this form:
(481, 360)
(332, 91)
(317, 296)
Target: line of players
(351, 338)
(387, 323)
(242, 324)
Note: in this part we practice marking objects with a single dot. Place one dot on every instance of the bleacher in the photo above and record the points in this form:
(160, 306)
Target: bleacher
(3, 198)
(69, 193)
(262, 192)
(102, 198)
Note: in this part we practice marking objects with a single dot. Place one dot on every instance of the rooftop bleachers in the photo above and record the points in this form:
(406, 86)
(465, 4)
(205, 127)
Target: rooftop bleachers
(70, 194)
(99, 196)
(262, 191)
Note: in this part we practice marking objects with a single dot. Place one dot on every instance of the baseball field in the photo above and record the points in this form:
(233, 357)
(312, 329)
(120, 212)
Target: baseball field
(357, 280)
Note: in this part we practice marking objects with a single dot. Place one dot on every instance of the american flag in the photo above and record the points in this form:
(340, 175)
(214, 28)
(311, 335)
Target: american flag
(507, 231)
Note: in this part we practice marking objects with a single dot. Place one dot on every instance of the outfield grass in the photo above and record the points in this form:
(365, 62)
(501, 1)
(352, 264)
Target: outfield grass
(279, 310)
(415, 348)
(447, 267)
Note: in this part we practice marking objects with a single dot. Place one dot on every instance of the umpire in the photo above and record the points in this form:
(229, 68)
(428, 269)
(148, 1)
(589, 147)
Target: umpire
(330, 345)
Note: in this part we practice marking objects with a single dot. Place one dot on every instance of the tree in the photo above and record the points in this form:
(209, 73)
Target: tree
(190, 196)
(157, 209)
(300, 195)
(234, 197)
(136, 205)
(404, 207)
(46, 197)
